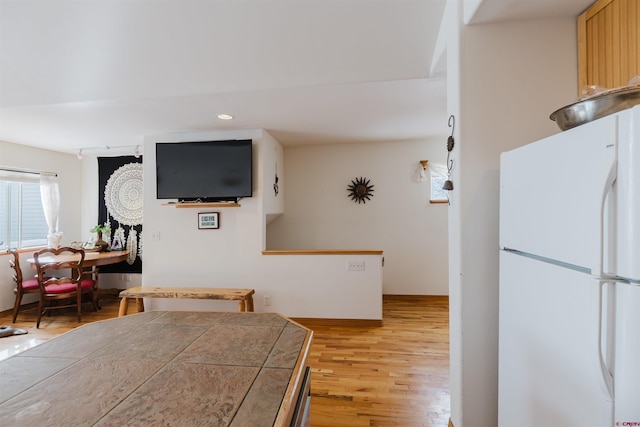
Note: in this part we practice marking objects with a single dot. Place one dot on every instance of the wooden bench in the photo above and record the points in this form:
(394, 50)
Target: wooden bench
(244, 296)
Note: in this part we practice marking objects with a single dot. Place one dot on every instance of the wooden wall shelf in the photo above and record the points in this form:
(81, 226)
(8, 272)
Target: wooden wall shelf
(203, 205)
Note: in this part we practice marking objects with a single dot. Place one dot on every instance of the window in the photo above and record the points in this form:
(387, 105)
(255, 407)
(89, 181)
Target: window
(22, 220)
(438, 177)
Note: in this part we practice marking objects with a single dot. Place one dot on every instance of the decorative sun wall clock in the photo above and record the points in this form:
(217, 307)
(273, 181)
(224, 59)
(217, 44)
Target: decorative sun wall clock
(360, 190)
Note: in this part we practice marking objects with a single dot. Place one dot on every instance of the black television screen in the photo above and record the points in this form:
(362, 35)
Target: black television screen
(205, 170)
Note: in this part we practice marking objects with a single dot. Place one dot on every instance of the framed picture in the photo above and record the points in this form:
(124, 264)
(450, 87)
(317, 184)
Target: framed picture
(208, 220)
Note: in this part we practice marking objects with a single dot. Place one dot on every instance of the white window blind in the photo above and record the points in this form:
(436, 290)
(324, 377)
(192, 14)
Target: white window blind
(22, 220)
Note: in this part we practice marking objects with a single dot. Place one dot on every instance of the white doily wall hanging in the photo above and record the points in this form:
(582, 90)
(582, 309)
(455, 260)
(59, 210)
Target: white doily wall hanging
(123, 198)
(123, 194)
(132, 245)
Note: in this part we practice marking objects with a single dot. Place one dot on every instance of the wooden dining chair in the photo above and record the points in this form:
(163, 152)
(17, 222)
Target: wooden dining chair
(28, 286)
(61, 281)
(91, 274)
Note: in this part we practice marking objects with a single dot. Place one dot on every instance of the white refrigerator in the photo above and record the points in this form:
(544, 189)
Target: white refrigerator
(569, 313)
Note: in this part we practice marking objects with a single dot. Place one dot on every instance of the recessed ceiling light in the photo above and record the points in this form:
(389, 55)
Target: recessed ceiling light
(225, 116)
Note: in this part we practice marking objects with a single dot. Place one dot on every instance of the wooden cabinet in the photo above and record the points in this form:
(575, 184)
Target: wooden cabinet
(609, 43)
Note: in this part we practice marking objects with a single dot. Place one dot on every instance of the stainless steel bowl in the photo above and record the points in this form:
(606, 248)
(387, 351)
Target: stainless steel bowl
(596, 107)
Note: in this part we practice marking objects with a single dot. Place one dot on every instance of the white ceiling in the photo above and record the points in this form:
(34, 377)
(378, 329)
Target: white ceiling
(79, 74)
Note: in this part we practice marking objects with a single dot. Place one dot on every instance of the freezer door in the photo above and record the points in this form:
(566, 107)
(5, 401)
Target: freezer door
(550, 362)
(552, 194)
(627, 350)
(627, 224)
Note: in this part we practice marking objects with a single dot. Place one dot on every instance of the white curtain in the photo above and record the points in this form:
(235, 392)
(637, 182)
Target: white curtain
(50, 195)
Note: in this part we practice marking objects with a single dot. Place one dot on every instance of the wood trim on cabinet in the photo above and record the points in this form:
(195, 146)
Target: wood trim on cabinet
(595, 8)
(287, 407)
(582, 53)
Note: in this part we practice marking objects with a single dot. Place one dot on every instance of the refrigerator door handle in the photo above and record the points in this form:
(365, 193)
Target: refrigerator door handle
(607, 377)
(598, 267)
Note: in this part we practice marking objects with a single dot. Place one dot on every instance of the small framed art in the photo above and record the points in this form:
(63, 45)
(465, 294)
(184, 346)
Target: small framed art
(208, 220)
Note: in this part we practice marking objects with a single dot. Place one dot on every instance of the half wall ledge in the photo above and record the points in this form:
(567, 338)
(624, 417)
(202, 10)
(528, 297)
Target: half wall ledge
(323, 252)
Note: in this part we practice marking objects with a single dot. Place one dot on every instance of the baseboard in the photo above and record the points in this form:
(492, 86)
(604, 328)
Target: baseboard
(367, 323)
(114, 292)
(422, 298)
(109, 291)
(27, 306)
(310, 322)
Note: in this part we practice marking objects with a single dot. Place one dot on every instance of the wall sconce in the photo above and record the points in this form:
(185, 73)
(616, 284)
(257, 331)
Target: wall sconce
(136, 153)
(421, 171)
(79, 155)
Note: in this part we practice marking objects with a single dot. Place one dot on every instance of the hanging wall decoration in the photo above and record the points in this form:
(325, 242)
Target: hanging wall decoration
(123, 194)
(360, 190)
(451, 142)
(276, 188)
(121, 187)
(123, 198)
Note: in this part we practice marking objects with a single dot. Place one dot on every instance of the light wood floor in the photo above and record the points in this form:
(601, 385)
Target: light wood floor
(393, 375)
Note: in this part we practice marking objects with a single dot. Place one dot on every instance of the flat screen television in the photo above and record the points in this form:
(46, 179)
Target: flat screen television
(209, 171)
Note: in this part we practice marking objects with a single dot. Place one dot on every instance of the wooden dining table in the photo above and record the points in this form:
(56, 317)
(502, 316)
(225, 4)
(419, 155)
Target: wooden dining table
(91, 259)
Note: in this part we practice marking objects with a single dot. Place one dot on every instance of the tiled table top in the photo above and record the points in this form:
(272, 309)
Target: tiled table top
(159, 368)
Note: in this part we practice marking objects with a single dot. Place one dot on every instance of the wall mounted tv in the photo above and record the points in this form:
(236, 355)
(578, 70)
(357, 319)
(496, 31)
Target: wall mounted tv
(209, 171)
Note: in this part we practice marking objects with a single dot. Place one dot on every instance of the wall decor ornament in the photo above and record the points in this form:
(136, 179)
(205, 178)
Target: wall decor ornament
(276, 188)
(360, 190)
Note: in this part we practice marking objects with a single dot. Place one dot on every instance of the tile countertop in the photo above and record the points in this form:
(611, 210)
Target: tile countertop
(160, 368)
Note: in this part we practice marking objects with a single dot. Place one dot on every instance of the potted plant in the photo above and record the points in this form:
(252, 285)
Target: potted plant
(102, 228)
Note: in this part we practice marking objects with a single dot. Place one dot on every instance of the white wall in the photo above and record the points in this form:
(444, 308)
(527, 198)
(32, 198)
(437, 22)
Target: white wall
(398, 219)
(183, 255)
(69, 177)
(512, 76)
(300, 286)
(273, 165)
(231, 256)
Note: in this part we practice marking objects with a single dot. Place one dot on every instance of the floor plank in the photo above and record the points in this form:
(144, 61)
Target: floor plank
(393, 375)
(396, 374)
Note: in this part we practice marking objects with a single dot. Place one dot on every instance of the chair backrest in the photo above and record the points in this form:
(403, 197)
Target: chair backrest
(50, 261)
(15, 265)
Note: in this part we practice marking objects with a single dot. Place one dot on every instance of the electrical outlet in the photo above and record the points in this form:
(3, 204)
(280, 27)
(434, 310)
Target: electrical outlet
(355, 265)
(155, 235)
(267, 300)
